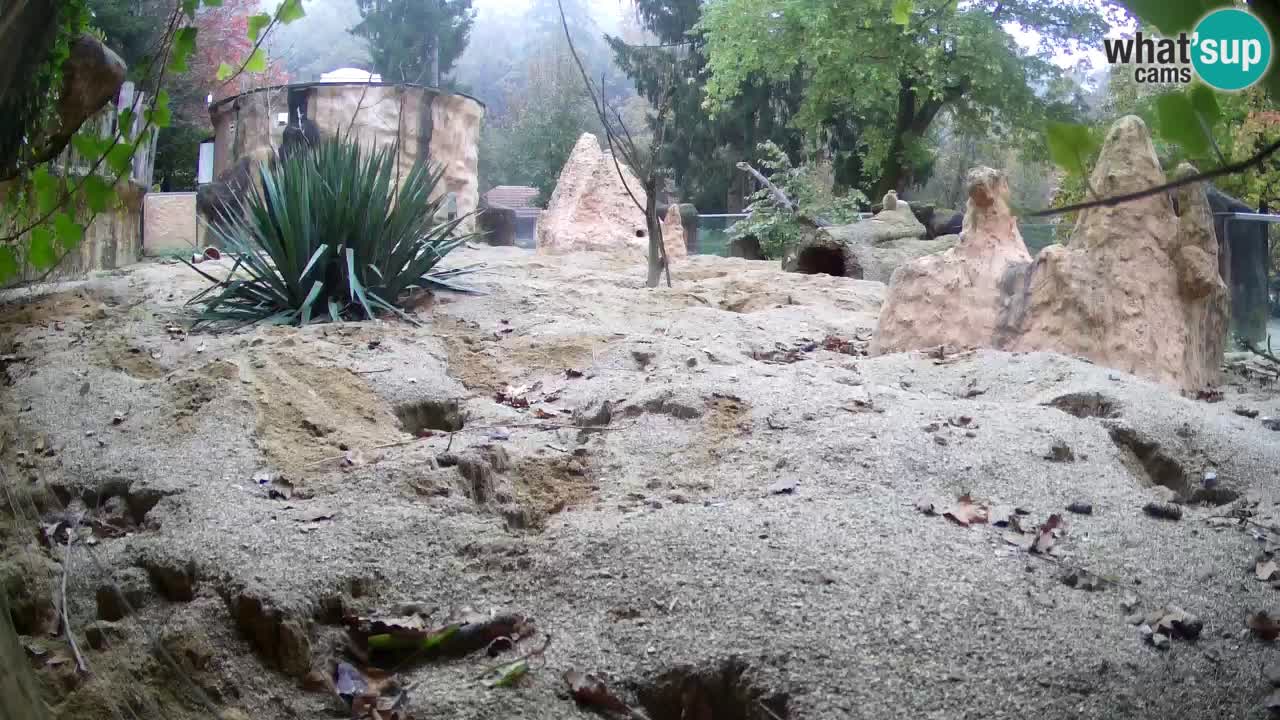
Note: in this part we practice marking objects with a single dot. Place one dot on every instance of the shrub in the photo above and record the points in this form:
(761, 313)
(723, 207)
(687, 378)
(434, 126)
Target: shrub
(330, 234)
(777, 229)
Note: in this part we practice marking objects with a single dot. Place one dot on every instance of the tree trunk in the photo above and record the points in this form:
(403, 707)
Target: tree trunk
(913, 121)
(654, 228)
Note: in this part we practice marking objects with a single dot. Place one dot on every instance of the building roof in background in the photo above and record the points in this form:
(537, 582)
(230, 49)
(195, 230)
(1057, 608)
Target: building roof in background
(349, 74)
(512, 196)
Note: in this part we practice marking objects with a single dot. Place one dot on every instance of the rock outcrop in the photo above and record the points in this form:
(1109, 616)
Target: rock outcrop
(591, 208)
(955, 298)
(1136, 288)
(866, 250)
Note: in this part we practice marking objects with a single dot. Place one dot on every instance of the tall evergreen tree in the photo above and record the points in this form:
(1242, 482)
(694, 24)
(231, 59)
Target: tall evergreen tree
(701, 152)
(415, 41)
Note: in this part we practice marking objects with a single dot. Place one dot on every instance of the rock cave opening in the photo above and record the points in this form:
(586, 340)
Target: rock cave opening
(419, 417)
(722, 691)
(816, 260)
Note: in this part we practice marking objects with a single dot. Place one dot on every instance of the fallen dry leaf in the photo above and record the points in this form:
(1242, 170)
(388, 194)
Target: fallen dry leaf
(1046, 535)
(1266, 569)
(965, 512)
(543, 414)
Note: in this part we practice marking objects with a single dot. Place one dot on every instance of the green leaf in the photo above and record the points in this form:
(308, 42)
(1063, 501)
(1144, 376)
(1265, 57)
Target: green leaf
(40, 253)
(902, 12)
(510, 674)
(256, 24)
(225, 71)
(46, 189)
(257, 61)
(89, 147)
(126, 121)
(184, 46)
(8, 263)
(1173, 16)
(98, 194)
(290, 10)
(160, 116)
(120, 158)
(212, 3)
(69, 232)
(1205, 101)
(1179, 124)
(189, 7)
(1070, 146)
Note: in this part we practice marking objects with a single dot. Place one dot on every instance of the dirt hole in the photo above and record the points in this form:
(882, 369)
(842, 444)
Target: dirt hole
(723, 691)
(439, 415)
(1160, 468)
(1087, 405)
(820, 260)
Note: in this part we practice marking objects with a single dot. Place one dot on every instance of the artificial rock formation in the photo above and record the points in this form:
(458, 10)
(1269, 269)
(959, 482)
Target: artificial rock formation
(955, 298)
(591, 208)
(1136, 288)
(866, 250)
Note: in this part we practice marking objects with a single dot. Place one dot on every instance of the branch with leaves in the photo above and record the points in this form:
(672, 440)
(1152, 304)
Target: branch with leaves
(55, 222)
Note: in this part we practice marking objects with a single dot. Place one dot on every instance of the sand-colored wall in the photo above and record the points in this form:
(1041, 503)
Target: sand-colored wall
(112, 240)
(426, 123)
(170, 224)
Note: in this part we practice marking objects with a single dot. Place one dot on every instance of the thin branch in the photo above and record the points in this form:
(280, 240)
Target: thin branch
(66, 616)
(779, 196)
(1255, 161)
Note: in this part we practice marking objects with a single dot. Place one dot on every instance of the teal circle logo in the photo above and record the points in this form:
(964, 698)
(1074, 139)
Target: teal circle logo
(1232, 49)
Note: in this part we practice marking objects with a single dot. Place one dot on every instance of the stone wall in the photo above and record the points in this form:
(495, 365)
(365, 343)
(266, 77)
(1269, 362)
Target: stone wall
(170, 224)
(423, 123)
(112, 240)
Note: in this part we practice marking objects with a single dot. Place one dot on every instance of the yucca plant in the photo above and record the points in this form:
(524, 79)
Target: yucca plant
(331, 235)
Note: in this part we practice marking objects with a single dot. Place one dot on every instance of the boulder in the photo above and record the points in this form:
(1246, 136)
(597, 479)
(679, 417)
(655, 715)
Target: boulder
(895, 221)
(820, 251)
(498, 225)
(747, 248)
(591, 208)
(1136, 288)
(955, 298)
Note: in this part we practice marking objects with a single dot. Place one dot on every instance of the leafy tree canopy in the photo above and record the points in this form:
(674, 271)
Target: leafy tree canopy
(890, 67)
(406, 35)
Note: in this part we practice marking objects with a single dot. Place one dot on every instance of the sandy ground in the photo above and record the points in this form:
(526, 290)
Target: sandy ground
(741, 518)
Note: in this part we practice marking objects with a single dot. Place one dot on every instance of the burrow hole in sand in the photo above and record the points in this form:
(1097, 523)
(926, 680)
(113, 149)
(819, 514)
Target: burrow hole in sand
(418, 417)
(723, 691)
(820, 260)
(1087, 405)
(1161, 468)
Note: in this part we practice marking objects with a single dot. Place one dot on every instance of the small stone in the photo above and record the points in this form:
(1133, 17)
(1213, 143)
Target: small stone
(939, 440)
(1271, 423)
(691, 361)
(1129, 603)
(1272, 673)
(1081, 507)
(1245, 412)
(1272, 702)
(1060, 452)
(1160, 641)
